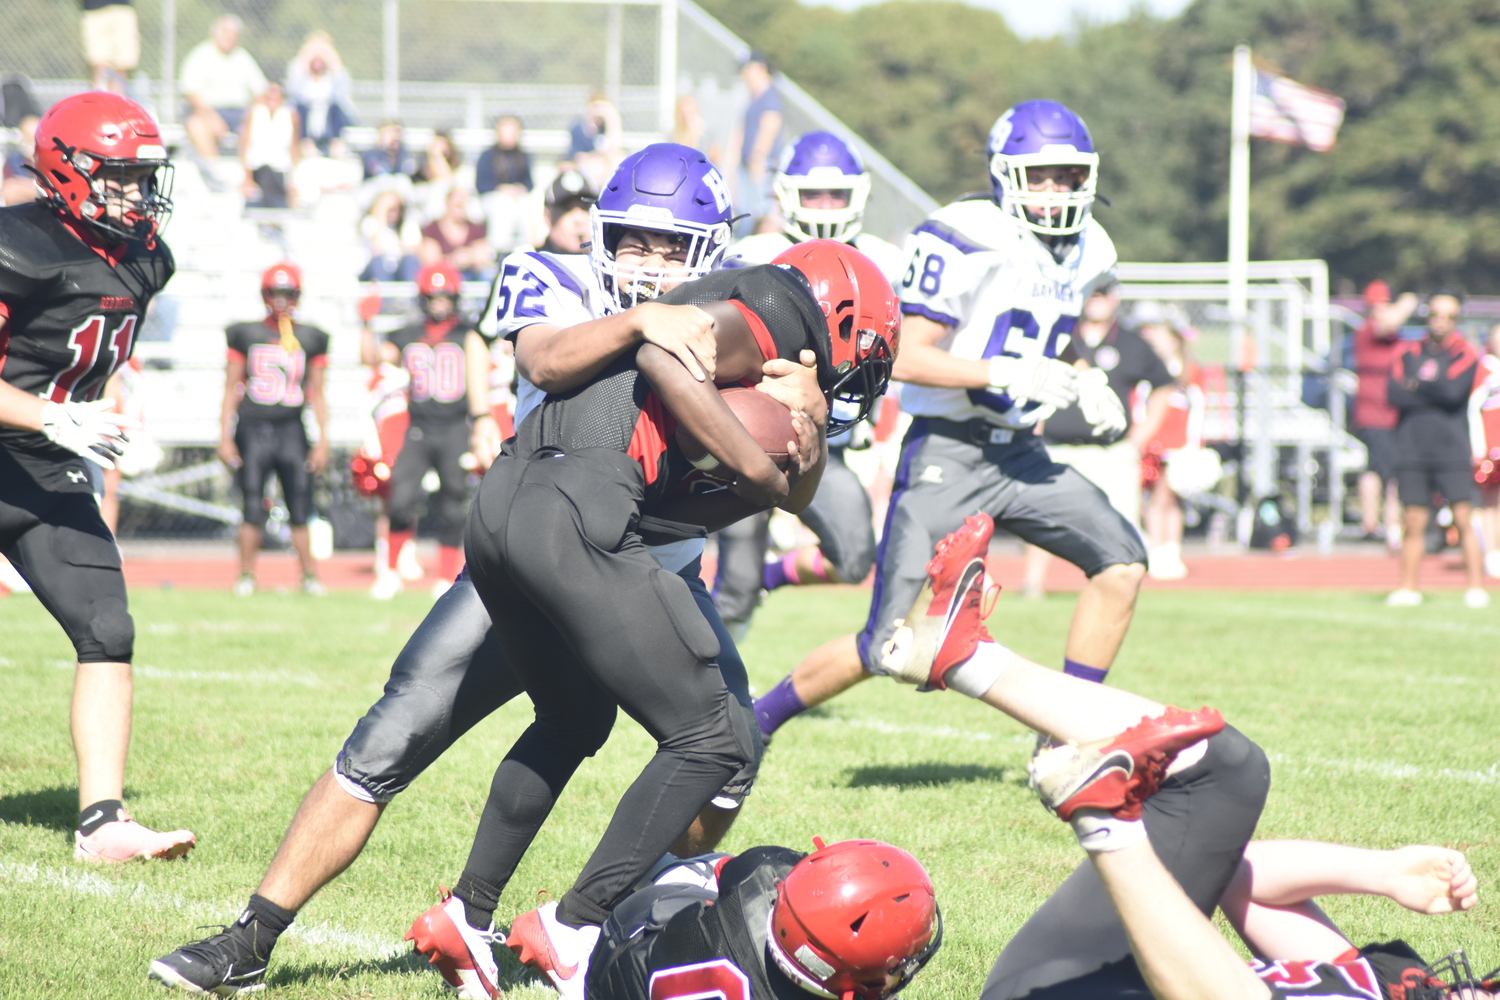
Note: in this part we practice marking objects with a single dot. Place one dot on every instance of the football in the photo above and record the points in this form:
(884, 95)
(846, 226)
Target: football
(767, 419)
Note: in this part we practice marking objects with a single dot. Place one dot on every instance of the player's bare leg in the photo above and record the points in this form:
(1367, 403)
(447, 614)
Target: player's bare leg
(1105, 608)
(100, 724)
(1034, 584)
(1468, 542)
(302, 544)
(249, 541)
(330, 829)
(828, 671)
(1413, 544)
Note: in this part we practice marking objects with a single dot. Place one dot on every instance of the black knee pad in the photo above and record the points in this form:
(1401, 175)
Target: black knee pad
(112, 631)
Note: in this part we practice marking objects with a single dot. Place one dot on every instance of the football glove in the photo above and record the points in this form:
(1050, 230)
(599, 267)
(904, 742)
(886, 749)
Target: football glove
(90, 430)
(1040, 380)
(1099, 405)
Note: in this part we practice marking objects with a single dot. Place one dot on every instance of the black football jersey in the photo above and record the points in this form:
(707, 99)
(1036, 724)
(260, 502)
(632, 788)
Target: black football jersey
(705, 948)
(433, 356)
(275, 378)
(73, 318)
(619, 410)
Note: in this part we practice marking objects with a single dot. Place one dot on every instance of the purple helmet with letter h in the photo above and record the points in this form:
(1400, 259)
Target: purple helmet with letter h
(819, 162)
(666, 188)
(1036, 134)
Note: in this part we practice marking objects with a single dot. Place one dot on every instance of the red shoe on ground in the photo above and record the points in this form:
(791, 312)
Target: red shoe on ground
(463, 955)
(562, 952)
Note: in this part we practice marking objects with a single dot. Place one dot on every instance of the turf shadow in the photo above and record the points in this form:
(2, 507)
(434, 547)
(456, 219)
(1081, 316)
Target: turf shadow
(924, 775)
(53, 808)
(408, 961)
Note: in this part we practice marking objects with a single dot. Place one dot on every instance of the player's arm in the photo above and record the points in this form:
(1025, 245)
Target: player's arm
(699, 408)
(317, 459)
(234, 385)
(484, 438)
(922, 362)
(556, 359)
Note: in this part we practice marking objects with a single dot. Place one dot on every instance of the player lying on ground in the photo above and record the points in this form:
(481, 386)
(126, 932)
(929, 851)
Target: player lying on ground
(993, 288)
(1162, 838)
(452, 672)
(591, 622)
(77, 270)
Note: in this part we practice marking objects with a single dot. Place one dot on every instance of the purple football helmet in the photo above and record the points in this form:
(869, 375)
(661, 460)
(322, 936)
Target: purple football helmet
(1043, 134)
(665, 188)
(821, 161)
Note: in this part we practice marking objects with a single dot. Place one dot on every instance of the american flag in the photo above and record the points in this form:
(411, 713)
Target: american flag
(1284, 110)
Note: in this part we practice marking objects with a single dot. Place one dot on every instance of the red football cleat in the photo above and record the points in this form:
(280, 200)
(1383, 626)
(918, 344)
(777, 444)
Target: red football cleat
(562, 952)
(1120, 773)
(947, 619)
(463, 955)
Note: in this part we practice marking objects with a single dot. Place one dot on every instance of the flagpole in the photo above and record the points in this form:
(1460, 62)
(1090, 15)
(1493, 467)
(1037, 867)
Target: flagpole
(1239, 204)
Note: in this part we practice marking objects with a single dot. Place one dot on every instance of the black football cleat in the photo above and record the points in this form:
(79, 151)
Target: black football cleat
(223, 965)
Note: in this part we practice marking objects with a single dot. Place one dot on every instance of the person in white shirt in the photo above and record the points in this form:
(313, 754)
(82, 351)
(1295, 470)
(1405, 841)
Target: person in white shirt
(220, 80)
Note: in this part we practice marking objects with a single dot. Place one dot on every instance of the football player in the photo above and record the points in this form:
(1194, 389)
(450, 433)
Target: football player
(452, 672)
(854, 919)
(77, 268)
(993, 287)
(435, 353)
(275, 367)
(822, 186)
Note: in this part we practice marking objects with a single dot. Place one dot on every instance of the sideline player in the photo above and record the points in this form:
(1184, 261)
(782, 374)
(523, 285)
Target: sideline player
(77, 269)
(452, 672)
(853, 919)
(822, 186)
(435, 353)
(994, 286)
(1135, 921)
(275, 367)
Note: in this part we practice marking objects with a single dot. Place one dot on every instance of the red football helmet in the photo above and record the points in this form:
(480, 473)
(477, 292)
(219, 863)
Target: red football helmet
(441, 278)
(855, 919)
(864, 323)
(91, 150)
(284, 278)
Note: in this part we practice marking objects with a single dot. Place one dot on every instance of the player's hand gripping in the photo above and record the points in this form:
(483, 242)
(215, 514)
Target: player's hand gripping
(1040, 380)
(91, 430)
(686, 332)
(1099, 404)
(796, 387)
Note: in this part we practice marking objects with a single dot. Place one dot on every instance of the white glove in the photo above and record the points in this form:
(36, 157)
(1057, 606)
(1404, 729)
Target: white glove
(1099, 404)
(91, 430)
(1040, 380)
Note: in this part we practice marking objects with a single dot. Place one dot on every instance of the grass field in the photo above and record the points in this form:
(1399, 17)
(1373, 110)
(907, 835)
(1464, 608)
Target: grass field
(1381, 725)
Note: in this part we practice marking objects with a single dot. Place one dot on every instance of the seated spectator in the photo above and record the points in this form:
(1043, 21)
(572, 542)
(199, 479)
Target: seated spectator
(219, 80)
(595, 142)
(319, 87)
(441, 170)
(568, 199)
(111, 42)
(503, 179)
(18, 184)
(391, 238)
(459, 240)
(270, 146)
(390, 155)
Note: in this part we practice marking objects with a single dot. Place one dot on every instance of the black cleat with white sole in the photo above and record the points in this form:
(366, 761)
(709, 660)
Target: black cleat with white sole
(224, 965)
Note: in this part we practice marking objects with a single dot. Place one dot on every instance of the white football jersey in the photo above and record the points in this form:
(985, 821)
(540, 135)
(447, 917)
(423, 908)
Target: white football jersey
(979, 271)
(766, 247)
(559, 290)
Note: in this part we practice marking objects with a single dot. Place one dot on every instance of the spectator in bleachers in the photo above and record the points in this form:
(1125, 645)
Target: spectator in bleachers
(390, 157)
(458, 239)
(319, 87)
(441, 170)
(568, 199)
(503, 179)
(391, 238)
(1375, 344)
(111, 42)
(18, 183)
(757, 142)
(1484, 438)
(595, 140)
(220, 80)
(1430, 385)
(270, 146)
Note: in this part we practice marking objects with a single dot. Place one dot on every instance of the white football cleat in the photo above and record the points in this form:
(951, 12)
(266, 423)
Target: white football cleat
(1403, 598)
(463, 955)
(125, 840)
(244, 586)
(1476, 597)
(387, 585)
(562, 952)
(407, 564)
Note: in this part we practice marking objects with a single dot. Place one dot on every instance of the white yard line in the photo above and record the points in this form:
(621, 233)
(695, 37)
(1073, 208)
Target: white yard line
(1397, 619)
(1312, 764)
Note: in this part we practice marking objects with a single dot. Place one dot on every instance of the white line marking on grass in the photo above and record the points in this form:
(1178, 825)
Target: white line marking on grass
(84, 883)
(255, 677)
(1314, 765)
(1398, 621)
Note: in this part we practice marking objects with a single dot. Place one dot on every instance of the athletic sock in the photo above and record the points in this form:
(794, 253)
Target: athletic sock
(776, 706)
(397, 541)
(261, 924)
(96, 815)
(976, 675)
(1084, 672)
(480, 899)
(450, 561)
(781, 572)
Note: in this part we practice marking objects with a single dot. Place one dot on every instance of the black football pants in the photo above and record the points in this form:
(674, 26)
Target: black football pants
(589, 620)
(437, 445)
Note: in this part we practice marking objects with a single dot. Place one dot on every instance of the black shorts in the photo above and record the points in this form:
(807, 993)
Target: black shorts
(1417, 486)
(60, 544)
(1381, 445)
(278, 446)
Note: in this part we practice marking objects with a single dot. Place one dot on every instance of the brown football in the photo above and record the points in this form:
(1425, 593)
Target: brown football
(767, 419)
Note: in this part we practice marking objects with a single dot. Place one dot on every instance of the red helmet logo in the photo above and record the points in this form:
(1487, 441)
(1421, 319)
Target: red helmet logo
(864, 322)
(441, 278)
(855, 919)
(282, 277)
(100, 159)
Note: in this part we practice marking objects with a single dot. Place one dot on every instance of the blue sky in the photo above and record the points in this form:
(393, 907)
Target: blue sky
(1041, 18)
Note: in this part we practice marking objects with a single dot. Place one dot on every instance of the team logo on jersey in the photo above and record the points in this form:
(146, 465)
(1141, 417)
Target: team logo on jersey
(1107, 357)
(116, 302)
(78, 476)
(932, 474)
